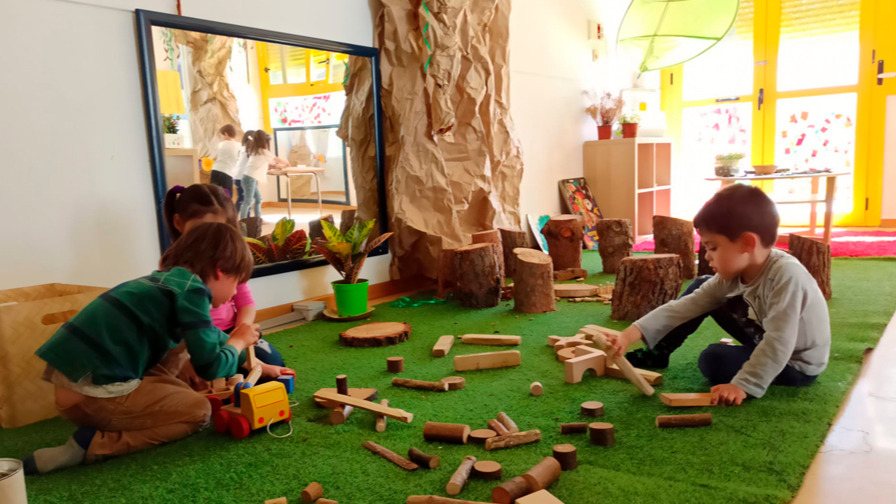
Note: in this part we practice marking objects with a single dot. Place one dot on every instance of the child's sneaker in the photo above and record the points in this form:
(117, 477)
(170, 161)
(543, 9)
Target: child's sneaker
(644, 358)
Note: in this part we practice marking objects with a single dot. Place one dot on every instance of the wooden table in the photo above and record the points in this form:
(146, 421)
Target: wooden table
(828, 200)
(294, 171)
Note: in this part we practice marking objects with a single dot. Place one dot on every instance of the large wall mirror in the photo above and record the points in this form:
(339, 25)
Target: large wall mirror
(200, 76)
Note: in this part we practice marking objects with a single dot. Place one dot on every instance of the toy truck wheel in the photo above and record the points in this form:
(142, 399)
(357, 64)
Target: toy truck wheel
(239, 427)
(221, 421)
(216, 403)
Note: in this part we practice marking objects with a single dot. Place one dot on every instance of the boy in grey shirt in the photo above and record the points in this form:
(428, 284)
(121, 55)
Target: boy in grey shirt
(761, 296)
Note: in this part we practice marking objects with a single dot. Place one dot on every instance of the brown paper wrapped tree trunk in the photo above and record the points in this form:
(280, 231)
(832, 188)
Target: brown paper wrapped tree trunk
(446, 273)
(703, 267)
(676, 236)
(512, 239)
(615, 241)
(644, 283)
(477, 275)
(533, 285)
(564, 234)
(492, 236)
(815, 255)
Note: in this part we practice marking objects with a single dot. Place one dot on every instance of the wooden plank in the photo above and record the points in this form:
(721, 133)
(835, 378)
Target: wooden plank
(650, 377)
(597, 334)
(687, 399)
(487, 360)
(397, 414)
(443, 346)
(491, 339)
(368, 394)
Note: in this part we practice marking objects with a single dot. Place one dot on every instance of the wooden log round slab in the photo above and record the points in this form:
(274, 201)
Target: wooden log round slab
(446, 273)
(615, 241)
(446, 432)
(342, 384)
(459, 478)
(573, 428)
(645, 283)
(703, 267)
(455, 382)
(536, 388)
(592, 408)
(815, 255)
(375, 334)
(543, 474)
(602, 434)
(512, 239)
(575, 290)
(671, 421)
(676, 236)
(564, 235)
(498, 427)
(479, 436)
(511, 490)
(312, 492)
(487, 470)
(533, 283)
(566, 455)
(395, 364)
(493, 236)
(422, 459)
(478, 280)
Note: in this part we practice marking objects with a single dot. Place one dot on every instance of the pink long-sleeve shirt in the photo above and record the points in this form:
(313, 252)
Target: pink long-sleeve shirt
(224, 316)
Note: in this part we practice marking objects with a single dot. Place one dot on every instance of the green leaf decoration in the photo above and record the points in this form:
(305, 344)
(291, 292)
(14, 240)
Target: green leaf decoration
(331, 232)
(359, 232)
(282, 230)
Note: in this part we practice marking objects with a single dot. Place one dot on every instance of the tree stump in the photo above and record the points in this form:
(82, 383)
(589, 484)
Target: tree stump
(815, 255)
(644, 283)
(477, 276)
(512, 239)
(375, 334)
(446, 273)
(703, 267)
(615, 241)
(676, 236)
(492, 236)
(564, 234)
(533, 283)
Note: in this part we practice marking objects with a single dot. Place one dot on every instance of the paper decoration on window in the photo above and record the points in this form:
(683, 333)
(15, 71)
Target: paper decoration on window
(309, 110)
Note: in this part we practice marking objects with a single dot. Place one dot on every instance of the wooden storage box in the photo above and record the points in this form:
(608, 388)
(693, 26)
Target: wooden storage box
(28, 317)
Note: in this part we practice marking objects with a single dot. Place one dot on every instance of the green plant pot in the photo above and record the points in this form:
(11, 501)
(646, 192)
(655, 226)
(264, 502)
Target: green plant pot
(351, 299)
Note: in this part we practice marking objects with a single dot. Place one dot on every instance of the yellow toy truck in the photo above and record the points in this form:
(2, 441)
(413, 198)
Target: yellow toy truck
(253, 407)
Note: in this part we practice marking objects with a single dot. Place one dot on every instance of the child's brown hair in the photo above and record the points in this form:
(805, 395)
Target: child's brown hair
(209, 247)
(228, 130)
(194, 202)
(738, 209)
(247, 137)
(259, 142)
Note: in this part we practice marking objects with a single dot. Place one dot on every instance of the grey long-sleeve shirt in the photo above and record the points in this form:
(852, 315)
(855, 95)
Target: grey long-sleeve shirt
(784, 300)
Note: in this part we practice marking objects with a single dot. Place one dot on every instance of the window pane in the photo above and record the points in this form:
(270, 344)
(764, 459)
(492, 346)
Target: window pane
(819, 44)
(727, 68)
(319, 62)
(296, 72)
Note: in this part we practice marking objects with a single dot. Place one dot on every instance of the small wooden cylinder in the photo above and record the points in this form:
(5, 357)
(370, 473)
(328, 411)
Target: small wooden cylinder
(339, 414)
(342, 384)
(564, 235)
(498, 427)
(487, 469)
(592, 408)
(395, 364)
(459, 478)
(508, 422)
(602, 434)
(567, 456)
(477, 275)
(422, 459)
(573, 428)
(446, 432)
(543, 474)
(512, 239)
(533, 283)
(511, 490)
(492, 236)
(615, 243)
(479, 436)
(536, 388)
(380, 419)
(455, 382)
(312, 492)
(670, 421)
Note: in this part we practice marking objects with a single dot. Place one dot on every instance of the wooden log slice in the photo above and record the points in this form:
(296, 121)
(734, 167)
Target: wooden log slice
(703, 267)
(312, 492)
(645, 283)
(575, 290)
(375, 334)
(446, 432)
(479, 436)
(512, 239)
(536, 388)
(602, 434)
(493, 236)
(487, 470)
(573, 428)
(614, 243)
(395, 364)
(592, 408)
(478, 280)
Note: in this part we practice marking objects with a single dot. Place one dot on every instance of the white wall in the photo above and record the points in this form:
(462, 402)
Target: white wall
(82, 210)
(888, 204)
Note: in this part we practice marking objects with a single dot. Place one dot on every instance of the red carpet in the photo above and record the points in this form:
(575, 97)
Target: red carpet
(843, 244)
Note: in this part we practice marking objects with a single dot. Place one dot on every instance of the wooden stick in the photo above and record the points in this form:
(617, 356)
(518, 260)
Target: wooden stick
(510, 490)
(381, 419)
(543, 473)
(566, 455)
(459, 478)
(395, 413)
(651, 377)
(573, 428)
(498, 427)
(685, 400)
(669, 421)
(251, 360)
(438, 499)
(511, 440)
(419, 384)
(510, 424)
(422, 459)
(491, 339)
(443, 346)
(254, 375)
(390, 455)
(326, 501)
(312, 492)
(597, 334)
(446, 432)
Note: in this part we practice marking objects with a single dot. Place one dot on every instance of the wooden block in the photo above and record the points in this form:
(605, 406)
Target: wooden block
(251, 361)
(491, 339)
(543, 473)
(443, 346)
(651, 377)
(380, 424)
(560, 342)
(455, 382)
(312, 492)
(597, 335)
(511, 440)
(438, 386)
(574, 427)
(459, 478)
(218, 384)
(395, 413)
(815, 255)
(395, 364)
(671, 421)
(375, 334)
(498, 427)
(508, 422)
(422, 459)
(575, 290)
(326, 501)
(487, 470)
(536, 389)
(254, 375)
(446, 432)
(391, 456)
(539, 497)
(510, 490)
(687, 399)
(593, 359)
(487, 360)
(570, 273)
(602, 434)
(278, 500)
(368, 394)
(566, 455)
(479, 436)
(592, 408)
(566, 354)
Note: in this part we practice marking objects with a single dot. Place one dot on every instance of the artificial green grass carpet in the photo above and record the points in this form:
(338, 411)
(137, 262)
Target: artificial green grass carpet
(758, 452)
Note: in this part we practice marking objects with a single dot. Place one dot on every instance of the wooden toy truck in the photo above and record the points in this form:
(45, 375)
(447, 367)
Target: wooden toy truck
(253, 407)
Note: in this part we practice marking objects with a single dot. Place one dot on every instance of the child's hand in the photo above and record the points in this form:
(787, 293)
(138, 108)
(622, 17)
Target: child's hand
(630, 335)
(188, 375)
(728, 394)
(244, 336)
(273, 372)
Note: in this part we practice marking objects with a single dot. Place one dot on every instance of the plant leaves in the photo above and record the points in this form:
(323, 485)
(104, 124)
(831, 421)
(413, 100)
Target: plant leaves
(331, 232)
(296, 244)
(359, 258)
(344, 249)
(282, 230)
(358, 233)
(335, 260)
(258, 250)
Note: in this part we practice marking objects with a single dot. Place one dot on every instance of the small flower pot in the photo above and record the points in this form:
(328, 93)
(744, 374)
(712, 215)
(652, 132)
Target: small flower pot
(351, 299)
(604, 132)
(629, 130)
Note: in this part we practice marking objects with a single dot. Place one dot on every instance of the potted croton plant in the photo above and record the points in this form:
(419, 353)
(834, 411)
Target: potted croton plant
(347, 253)
(285, 243)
